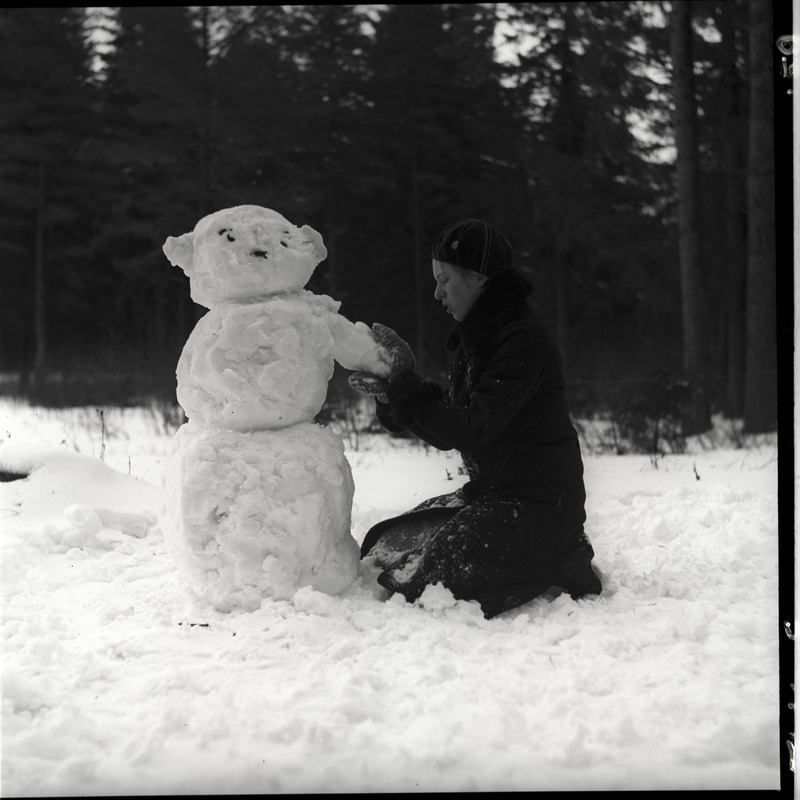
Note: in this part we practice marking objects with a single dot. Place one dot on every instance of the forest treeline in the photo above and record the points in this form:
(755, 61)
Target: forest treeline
(619, 145)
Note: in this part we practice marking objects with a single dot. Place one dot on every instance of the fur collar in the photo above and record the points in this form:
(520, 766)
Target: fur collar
(502, 301)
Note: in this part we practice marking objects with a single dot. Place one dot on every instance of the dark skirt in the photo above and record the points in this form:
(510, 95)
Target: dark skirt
(500, 552)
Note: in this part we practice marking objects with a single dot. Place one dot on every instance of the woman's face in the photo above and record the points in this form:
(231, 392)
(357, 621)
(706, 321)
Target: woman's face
(457, 289)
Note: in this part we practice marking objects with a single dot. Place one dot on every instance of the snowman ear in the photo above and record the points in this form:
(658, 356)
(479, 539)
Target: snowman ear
(180, 251)
(320, 251)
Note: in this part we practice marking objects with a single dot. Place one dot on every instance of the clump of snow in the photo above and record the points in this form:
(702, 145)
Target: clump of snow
(84, 526)
(438, 598)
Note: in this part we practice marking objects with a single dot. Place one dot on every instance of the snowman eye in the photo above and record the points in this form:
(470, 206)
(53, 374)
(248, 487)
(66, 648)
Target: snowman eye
(260, 253)
(221, 231)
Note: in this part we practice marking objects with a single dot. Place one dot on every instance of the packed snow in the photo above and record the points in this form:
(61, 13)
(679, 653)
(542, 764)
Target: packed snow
(265, 365)
(116, 679)
(253, 515)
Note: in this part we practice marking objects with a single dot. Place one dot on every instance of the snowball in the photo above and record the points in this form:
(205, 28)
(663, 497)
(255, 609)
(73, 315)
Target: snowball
(245, 253)
(314, 602)
(436, 597)
(258, 515)
(85, 519)
(130, 524)
(258, 365)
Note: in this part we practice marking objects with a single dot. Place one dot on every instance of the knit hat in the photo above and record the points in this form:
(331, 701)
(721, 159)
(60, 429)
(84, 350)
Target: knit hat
(475, 245)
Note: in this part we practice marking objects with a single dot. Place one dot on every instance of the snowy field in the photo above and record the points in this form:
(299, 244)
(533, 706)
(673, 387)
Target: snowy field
(114, 681)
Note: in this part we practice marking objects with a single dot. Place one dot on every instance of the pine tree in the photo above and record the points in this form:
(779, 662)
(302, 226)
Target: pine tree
(411, 120)
(154, 150)
(734, 133)
(688, 186)
(253, 79)
(329, 47)
(760, 412)
(435, 120)
(45, 116)
(720, 84)
(596, 198)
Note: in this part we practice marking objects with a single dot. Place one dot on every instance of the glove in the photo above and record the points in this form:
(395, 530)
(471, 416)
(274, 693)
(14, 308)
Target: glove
(369, 384)
(397, 349)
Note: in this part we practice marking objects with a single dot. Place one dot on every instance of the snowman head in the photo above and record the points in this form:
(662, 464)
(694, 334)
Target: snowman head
(245, 253)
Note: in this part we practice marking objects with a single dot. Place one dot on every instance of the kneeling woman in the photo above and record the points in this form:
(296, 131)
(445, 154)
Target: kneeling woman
(515, 529)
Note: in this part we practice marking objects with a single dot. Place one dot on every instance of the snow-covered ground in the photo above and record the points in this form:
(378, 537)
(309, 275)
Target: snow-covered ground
(115, 681)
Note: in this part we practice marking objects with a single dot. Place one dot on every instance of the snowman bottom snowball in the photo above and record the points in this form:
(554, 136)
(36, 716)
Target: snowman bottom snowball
(257, 515)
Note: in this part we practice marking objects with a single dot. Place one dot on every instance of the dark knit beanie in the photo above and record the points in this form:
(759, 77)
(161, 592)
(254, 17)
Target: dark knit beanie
(474, 244)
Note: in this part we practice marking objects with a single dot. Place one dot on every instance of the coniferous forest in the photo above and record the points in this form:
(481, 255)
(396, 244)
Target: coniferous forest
(626, 148)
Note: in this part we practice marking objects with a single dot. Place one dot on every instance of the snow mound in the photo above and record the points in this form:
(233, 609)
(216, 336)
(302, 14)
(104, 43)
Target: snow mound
(75, 489)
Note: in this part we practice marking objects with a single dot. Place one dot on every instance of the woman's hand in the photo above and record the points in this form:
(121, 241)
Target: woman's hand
(369, 384)
(399, 357)
(399, 353)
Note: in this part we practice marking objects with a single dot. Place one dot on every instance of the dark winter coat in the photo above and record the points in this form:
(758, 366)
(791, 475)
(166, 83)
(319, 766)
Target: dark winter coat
(516, 528)
(505, 408)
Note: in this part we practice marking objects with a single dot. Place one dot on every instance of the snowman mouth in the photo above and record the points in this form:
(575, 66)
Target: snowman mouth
(260, 253)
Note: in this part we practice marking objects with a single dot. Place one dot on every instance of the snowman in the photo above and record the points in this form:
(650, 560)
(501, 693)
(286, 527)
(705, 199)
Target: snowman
(257, 498)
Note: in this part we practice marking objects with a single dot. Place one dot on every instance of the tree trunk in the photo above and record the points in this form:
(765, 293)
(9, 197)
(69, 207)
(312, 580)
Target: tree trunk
(40, 326)
(562, 309)
(566, 136)
(204, 172)
(735, 220)
(687, 175)
(761, 403)
(333, 283)
(156, 313)
(420, 348)
(205, 178)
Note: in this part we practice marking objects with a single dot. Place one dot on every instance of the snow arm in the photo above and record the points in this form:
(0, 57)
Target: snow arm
(355, 347)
